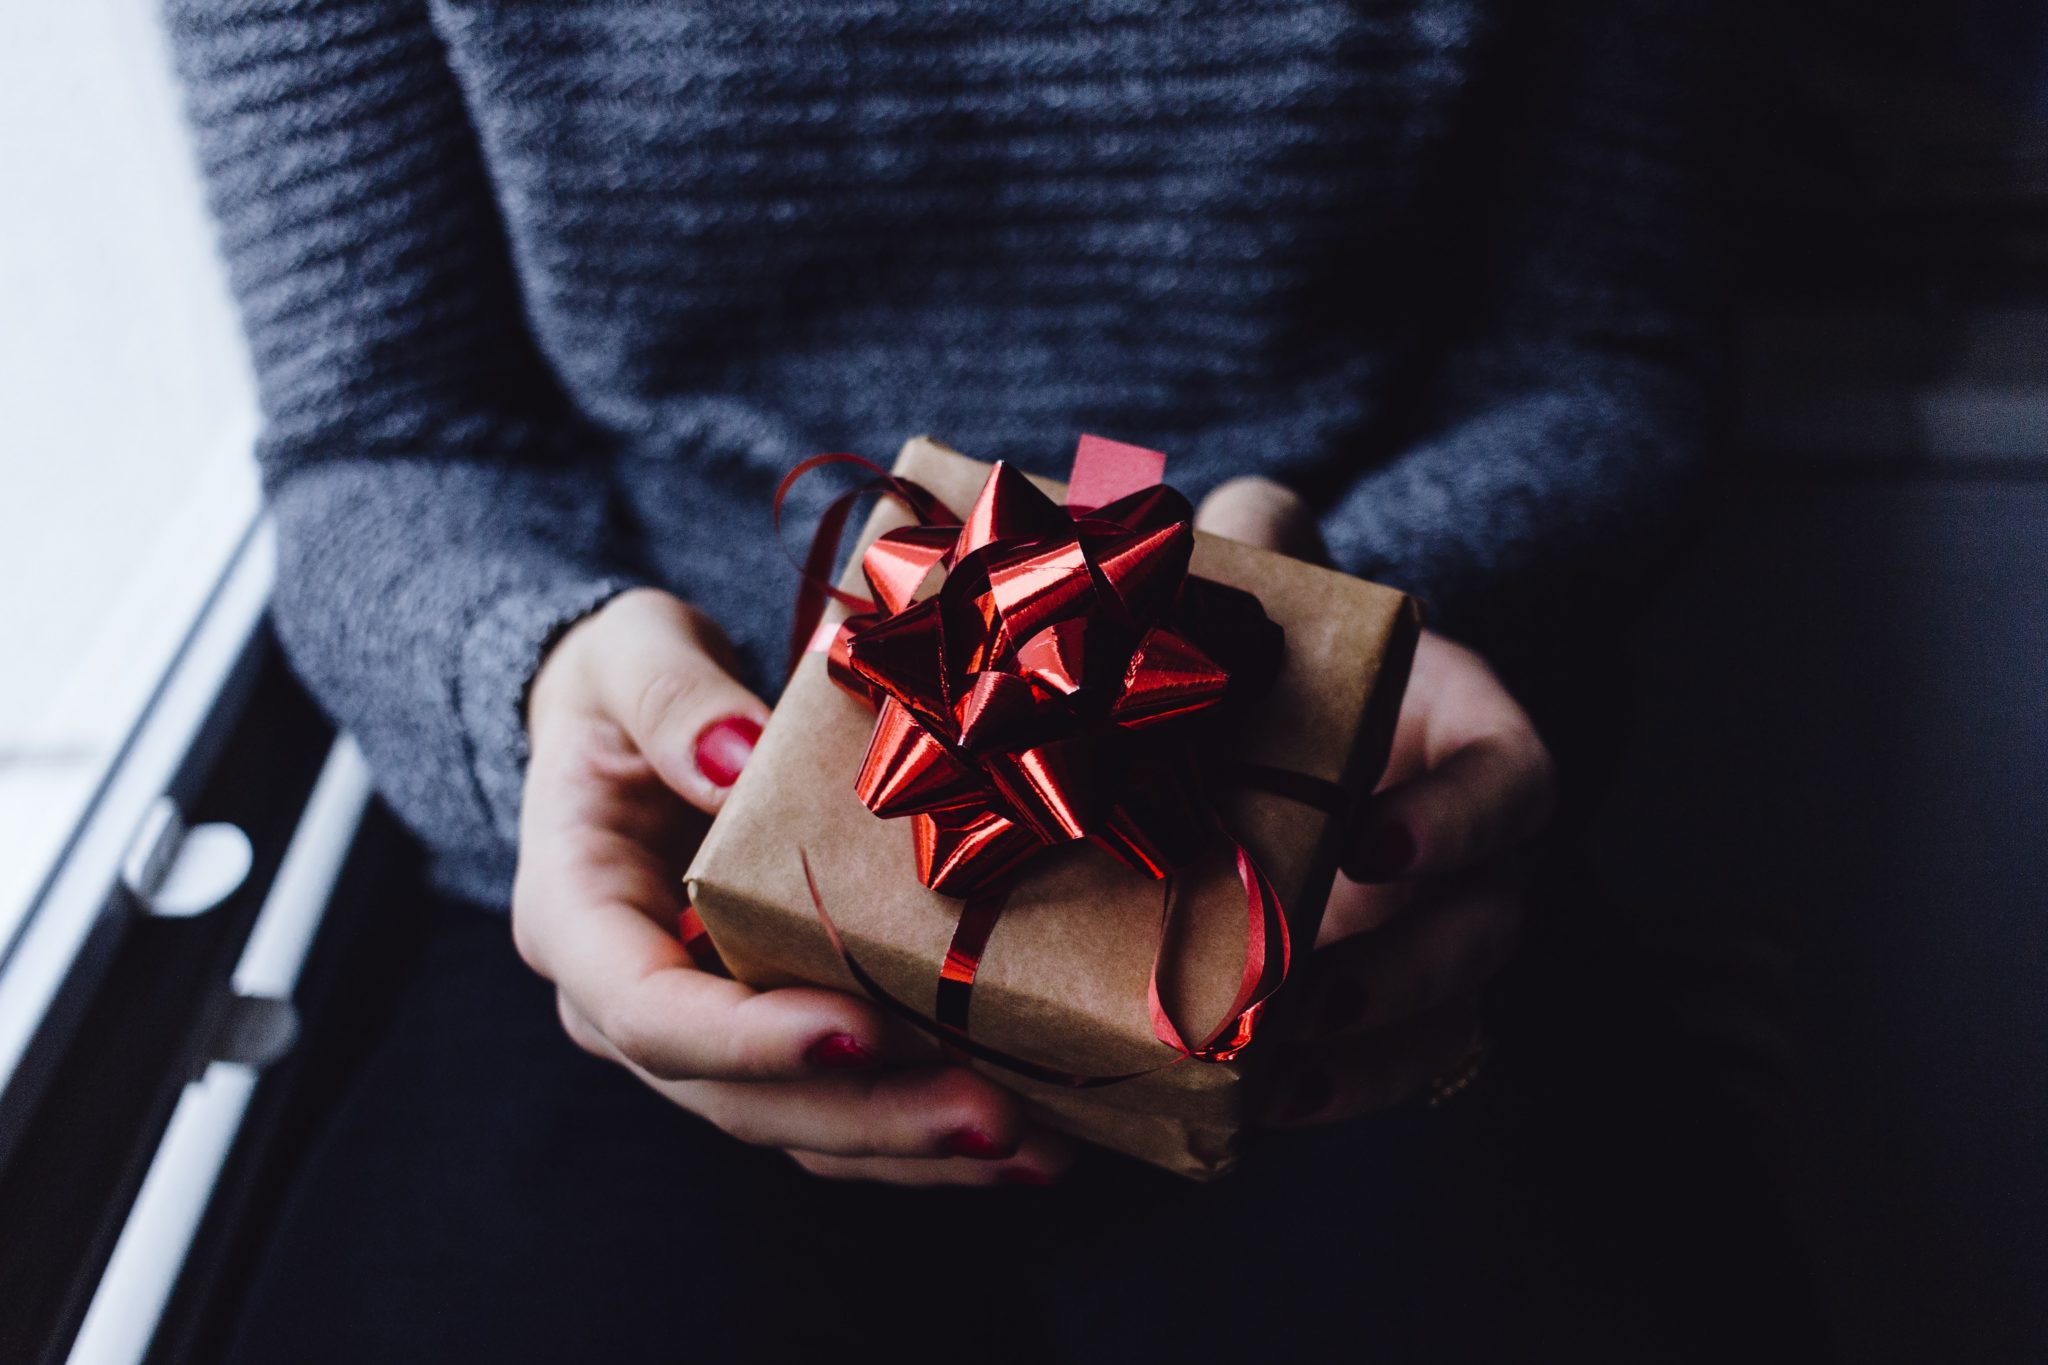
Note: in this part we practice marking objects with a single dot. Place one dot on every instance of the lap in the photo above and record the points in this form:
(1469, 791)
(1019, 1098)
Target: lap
(483, 1190)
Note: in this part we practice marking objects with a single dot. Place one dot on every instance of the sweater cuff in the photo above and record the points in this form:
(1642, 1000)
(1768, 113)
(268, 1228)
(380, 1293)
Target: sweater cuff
(1367, 543)
(501, 651)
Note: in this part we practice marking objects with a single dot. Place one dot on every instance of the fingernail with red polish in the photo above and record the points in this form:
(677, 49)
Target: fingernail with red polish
(1389, 851)
(723, 747)
(1310, 1095)
(975, 1143)
(1022, 1175)
(839, 1052)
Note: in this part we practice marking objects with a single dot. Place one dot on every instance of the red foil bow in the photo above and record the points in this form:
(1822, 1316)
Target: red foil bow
(1046, 674)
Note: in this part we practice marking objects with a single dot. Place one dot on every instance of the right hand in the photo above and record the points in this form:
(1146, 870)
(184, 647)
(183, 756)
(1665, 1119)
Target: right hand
(1392, 991)
(637, 731)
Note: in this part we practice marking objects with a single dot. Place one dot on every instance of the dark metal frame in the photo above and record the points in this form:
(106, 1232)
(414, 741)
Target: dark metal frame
(151, 1066)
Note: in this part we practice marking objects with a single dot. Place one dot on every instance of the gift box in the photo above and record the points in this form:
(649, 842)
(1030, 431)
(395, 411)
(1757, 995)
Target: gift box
(1117, 953)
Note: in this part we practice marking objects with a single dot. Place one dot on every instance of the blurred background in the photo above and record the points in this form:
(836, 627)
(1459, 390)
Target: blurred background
(1834, 801)
(1842, 745)
(126, 402)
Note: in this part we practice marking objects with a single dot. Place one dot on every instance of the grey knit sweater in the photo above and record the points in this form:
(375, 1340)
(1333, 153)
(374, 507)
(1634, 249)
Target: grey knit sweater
(543, 297)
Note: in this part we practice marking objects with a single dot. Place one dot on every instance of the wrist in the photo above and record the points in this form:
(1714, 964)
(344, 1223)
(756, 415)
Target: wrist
(500, 654)
(606, 637)
(564, 669)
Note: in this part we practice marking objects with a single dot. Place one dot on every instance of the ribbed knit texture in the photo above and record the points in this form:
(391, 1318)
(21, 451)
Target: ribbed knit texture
(543, 298)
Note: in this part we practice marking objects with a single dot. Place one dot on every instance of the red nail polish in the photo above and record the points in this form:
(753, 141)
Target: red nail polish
(723, 748)
(1389, 851)
(975, 1143)
(1022, 1175)
(1311, 1094)
(839, 1052)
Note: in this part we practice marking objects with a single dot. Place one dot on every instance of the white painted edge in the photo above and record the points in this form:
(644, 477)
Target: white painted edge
(298, 898)
(122, 1318)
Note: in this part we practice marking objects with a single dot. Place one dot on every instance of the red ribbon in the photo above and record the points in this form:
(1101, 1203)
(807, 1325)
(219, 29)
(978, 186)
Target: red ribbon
(1042, 675)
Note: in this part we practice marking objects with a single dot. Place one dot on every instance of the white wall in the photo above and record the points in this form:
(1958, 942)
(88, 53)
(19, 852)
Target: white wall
(125, 401)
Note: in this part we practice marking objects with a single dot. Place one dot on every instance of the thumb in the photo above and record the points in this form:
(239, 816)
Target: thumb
(658, 671)
(1260, 512)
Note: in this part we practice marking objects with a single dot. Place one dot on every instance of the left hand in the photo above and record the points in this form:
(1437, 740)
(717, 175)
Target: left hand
(1429, 908)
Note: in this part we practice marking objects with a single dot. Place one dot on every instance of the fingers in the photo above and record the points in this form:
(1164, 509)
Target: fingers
(926, 1112)
(1260, 512)
(1483, 801)
(1482, 781)
(658, 673)
(1443, 951)
(634, 704)
(1363, 1075)
(594, 911)
(926, 1115)
(630, 982)
(1042, 1158)
(1361, 907)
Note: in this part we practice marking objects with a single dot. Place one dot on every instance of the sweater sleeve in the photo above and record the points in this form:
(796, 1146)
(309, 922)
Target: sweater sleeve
(1569, 411)
(436, 526)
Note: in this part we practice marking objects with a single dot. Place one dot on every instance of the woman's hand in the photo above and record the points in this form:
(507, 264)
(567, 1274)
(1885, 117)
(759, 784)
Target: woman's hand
(1430, 907)
(638, 729)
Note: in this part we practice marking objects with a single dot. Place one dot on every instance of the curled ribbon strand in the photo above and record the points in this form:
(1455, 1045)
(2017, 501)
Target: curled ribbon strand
(815, 587)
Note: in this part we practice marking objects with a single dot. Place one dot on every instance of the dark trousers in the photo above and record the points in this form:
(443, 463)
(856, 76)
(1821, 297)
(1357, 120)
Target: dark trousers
(479, 1190)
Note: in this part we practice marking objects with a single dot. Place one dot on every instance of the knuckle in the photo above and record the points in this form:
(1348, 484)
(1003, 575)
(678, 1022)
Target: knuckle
(741, 1051)
(963, 1097)
(523, 938)
(758, 1041)
(577, 1027)
(737, 1058)
(637, 1037)
(746, 1123)
(667, 698)
(812, 1163)
(527, 913)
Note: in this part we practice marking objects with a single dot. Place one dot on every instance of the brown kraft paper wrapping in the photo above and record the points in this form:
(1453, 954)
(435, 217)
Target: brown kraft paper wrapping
(1063, 981)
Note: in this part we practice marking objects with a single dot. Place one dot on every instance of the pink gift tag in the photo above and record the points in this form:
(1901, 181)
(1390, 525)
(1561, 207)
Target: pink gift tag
(1106, 470)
